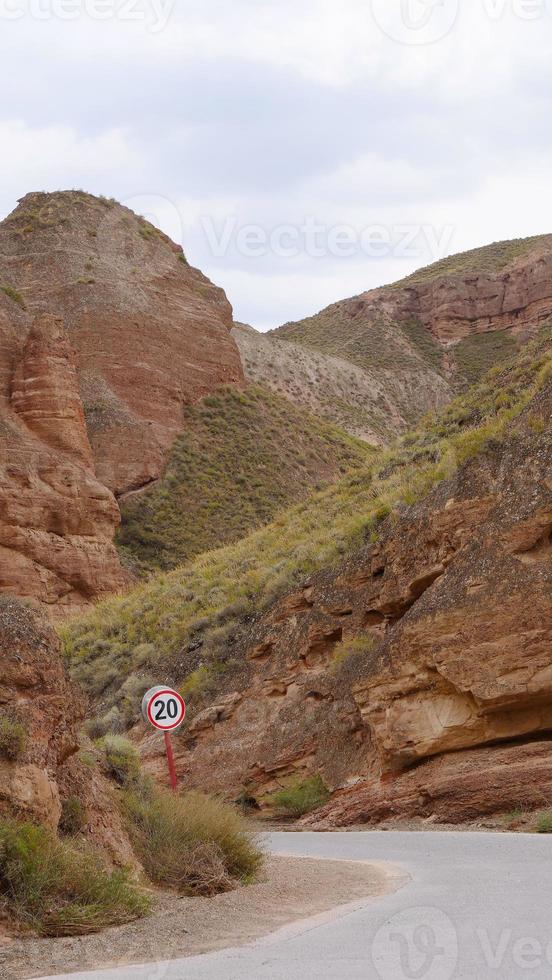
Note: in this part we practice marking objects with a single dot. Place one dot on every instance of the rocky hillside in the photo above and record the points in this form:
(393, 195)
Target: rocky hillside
(57, 520)
(446, 325)
(412, 675)
(241, 457)
(151, 334)
(333, 388)
(42, 764)
(109, 342)
(106, 333)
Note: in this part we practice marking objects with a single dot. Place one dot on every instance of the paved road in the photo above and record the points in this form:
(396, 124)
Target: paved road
(477, 906)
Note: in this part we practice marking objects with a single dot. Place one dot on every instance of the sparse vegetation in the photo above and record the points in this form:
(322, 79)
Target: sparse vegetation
(476, 355)
(146, 230)
(195, 844)
(369, 341)
(196, 611)
(544, 822)
(73, 817)
(122, 759)
(42, 212)
(13, 738)
(14, 295)
(300, 796)
(328, 386)
(422, 338)
(477, 261)
(354, 329)
(242, 457)
(57, 889)
(352, 647)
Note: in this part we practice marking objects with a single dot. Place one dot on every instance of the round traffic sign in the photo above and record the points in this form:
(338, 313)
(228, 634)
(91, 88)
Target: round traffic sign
(164, 708)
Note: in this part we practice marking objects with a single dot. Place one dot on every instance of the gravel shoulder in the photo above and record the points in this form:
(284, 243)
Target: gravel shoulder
(291, 889)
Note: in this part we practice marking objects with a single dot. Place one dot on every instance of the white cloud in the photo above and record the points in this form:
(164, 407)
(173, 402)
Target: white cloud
(275, 111)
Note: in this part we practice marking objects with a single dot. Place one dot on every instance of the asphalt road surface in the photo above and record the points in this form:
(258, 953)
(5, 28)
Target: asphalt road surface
(476, 906)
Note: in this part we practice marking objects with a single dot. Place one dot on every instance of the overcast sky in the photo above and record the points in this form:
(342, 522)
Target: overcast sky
(301, 150)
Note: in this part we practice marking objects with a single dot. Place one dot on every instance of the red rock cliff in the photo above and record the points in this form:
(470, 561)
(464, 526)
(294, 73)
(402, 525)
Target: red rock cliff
(453, 607)
(105, 333)
(42, 768)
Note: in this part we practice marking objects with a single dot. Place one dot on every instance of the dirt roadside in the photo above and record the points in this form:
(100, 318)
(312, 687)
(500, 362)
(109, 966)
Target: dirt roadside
(291, 889)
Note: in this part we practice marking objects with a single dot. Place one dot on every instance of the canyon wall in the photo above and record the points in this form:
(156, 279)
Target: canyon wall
(394, 674)
(41, 713)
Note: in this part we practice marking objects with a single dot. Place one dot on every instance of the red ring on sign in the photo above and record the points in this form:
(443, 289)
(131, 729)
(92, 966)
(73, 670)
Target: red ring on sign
(174, 694)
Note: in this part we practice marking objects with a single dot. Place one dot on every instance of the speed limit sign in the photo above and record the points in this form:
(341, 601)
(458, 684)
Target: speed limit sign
(165, 710)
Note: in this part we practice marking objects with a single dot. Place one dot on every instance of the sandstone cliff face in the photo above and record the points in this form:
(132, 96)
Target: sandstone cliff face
(449, 624)
(36, 694)
(517, 297)
(105, 334)
(441, 326)
(151, 333)
(56, 520)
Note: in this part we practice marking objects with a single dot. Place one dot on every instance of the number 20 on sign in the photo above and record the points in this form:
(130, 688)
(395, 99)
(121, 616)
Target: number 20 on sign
(165, 710)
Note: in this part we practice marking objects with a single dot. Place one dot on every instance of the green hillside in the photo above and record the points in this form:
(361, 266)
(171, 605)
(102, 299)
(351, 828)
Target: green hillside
(242, 457)
(366, 338)
(185, 623)
(361, 330)
(487, 259)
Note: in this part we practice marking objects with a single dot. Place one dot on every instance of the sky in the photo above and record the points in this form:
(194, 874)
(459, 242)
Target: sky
(302, 151)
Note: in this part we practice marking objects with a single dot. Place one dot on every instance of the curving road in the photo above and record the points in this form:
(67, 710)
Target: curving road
(476, 906)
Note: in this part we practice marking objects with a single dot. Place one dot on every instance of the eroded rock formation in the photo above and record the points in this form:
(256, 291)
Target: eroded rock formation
(105, 333)
(443, 325)
(57, 521)
(516, 298)
(446, 629)
(42, 767)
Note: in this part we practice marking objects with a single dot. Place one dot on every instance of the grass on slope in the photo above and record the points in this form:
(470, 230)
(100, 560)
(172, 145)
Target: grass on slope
(187, 619)
(369, 342)
(353, 329)
(477, 354)
(57, 888)
(487, 259)
(242, 457)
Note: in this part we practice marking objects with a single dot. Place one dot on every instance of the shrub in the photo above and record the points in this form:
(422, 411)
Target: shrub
(544, 823)
(58, 890)
(122, 759)
(194, 843)
(14, 295)
(301, 797)
(73, 817)
(352, 647)
(13, 738)
(197, 683)
(514, 815)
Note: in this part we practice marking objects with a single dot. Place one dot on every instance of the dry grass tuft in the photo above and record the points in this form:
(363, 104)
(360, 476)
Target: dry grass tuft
(195, 843)
(57, 889)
